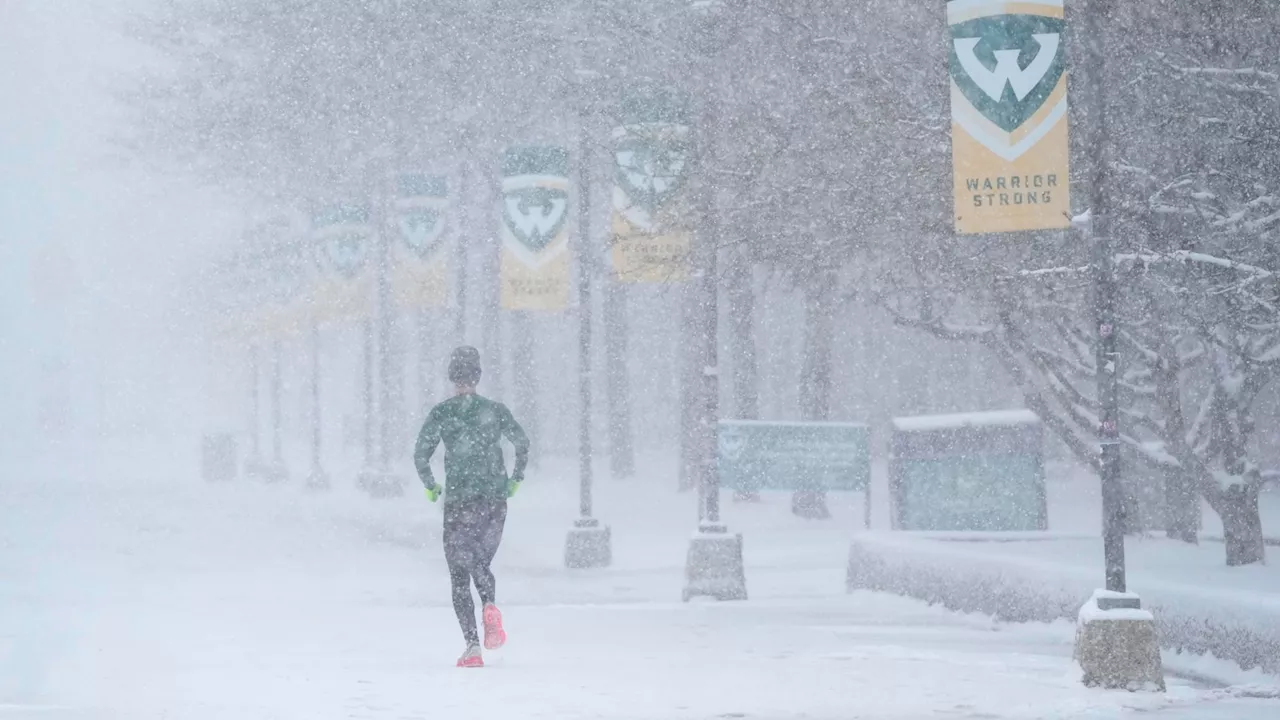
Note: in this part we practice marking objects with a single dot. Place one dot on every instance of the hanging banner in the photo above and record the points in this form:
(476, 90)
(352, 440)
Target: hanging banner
(535, 228)
(1008, 115)
(274, 274)
(651, 205)
(420, 264)
(284, 275)
(230, 299)
(343, 255)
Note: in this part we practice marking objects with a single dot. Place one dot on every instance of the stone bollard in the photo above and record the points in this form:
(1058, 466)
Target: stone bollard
(714, 565)
(588, 545)
(1116, 643)
(380, 485)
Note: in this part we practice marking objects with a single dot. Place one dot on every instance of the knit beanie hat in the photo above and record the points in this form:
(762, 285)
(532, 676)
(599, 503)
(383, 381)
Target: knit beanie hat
(464, 366)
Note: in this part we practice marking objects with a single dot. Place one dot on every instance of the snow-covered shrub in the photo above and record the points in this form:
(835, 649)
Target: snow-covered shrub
(1243, 628)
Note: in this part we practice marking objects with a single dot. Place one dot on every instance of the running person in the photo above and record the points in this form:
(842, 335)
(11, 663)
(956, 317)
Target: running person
(475, 493)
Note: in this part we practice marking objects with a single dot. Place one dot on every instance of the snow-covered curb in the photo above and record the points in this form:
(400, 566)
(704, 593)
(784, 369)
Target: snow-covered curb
(1243, 629)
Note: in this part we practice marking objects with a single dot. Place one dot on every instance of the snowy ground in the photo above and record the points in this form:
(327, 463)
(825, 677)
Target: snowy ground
(132, 594)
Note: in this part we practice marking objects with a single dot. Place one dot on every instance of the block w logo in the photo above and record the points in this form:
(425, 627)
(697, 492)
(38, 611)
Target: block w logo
(1007, 66)
(1007, 71)
(535, 215)
(536, 223)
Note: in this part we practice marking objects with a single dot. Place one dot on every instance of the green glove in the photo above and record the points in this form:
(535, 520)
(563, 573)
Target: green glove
(433, 492)
(512, 486)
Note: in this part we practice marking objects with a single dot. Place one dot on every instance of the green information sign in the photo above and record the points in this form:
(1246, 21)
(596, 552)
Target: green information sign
(968, 472)
(759, 455)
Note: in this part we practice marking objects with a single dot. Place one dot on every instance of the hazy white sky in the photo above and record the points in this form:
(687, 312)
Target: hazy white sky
(129, 234)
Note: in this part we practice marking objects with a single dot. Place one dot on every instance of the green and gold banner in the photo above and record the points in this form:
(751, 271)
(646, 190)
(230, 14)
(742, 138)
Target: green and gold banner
(1008, 115)
(285, 280)
(343, 255)
(420, 277)
(238, 297)
(651, 204)
(535, 228)
(276, 278)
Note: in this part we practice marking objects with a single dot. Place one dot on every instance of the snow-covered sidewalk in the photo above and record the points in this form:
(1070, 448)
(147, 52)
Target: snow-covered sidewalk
(148, 597)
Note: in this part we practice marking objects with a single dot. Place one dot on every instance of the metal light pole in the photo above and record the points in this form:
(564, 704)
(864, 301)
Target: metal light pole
(277, 471)
(1114, 649)
(708, 242)
(460, 257)
(622, 463)
(1104, 302)
(366, 395)
(589, 544)
(490, 300)
(386, 320)
(253, 465)
(714, 565)
(318, 479)
(585, 269)
(377, 478)
(424, 360)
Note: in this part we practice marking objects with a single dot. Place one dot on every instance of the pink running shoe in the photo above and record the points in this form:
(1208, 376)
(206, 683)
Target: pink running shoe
(494, 636)
(471, 658)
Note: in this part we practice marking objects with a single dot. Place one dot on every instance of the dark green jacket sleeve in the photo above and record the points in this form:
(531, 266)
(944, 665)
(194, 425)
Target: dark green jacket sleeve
(512, 431)
(428, 439)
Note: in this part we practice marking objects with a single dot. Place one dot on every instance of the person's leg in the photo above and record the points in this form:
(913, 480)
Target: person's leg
(463, 605)
(459, 555)
(487, 542)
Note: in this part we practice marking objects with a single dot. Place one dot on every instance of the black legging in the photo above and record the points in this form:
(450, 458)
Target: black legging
(472, 533)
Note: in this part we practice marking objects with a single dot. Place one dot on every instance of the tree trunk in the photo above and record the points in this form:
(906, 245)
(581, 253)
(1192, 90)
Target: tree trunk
(622, 459)
(1236, 503)
(741, 311)
(1182, 506)
(815, 381)
(1241, 524)
(1181, 494)
(1143, 500)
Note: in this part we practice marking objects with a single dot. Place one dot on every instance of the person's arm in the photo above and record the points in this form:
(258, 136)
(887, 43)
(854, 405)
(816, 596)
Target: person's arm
(428, 438)
(512, 431)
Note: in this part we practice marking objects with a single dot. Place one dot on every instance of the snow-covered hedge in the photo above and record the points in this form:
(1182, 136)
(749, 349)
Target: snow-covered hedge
(1243, 627)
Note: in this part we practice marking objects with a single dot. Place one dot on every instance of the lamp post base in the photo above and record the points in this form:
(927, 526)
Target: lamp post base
(318, 479)
(273, 472)
(588, 545)
(379, 484)
(714, 567)
(1116, 644)
(254, 467)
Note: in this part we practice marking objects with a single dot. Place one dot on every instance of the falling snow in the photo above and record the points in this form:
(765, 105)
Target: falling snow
(239, 241)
